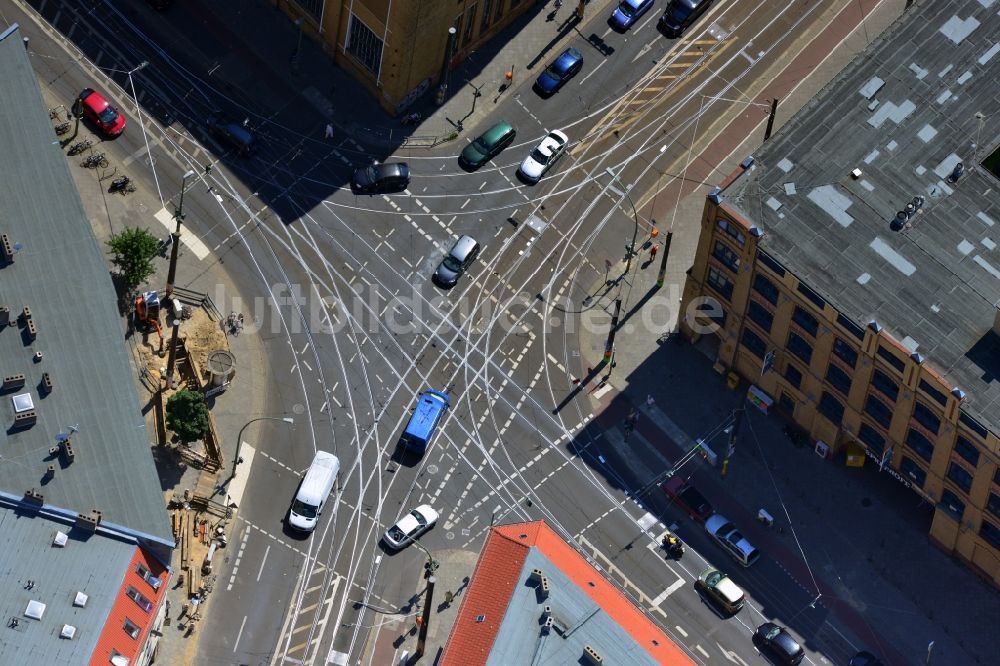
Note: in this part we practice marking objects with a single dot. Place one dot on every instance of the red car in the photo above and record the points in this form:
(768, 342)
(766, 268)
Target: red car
(688, 498)
(101, 113)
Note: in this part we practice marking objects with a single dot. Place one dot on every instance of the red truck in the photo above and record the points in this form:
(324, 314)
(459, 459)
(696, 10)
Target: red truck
(688, 498)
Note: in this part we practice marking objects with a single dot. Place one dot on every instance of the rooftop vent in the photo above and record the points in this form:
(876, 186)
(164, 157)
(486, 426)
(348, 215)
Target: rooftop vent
(80, 600)
(68, 632)
(60, 539)
(35, 610)
(480, 619)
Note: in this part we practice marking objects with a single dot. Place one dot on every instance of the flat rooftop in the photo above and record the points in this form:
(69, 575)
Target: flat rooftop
(906, 112)
(59, 273)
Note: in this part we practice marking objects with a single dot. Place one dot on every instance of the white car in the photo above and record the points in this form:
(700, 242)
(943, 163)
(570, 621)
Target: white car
(410, 526)
(730, 538)
(543, 156)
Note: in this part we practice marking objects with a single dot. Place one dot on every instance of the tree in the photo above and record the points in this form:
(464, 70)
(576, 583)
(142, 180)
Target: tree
(187, 416)
(132, 252)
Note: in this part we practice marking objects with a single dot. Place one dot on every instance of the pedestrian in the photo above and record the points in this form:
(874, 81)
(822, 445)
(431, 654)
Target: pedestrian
(650, 401)
(329, 130)
(652, 251)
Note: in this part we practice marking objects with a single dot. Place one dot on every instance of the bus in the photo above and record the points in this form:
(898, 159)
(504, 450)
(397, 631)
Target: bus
(424, 421)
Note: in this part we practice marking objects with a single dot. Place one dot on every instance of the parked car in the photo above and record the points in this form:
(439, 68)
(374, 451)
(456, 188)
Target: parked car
(680, 14)
(562, 69)
(688, 498)
(236, 135)
(487, 145)
(456, 262)
(543, 156)
(378, 178)
(100, 112)
(628, 12)
(777, 642)
(721, 591)
(730, 538)
(864, 658)
(410, 526)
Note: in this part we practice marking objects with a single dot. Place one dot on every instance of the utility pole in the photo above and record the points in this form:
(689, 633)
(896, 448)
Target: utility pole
(737, 418)
(770, 119)
(176, 237)
(661, 276)
(609, 347)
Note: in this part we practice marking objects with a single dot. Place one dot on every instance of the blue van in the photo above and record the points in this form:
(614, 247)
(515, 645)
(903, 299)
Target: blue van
(424, 422)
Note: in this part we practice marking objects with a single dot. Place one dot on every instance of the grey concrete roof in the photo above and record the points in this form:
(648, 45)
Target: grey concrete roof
(904, 113)
(59, 272)
(95, 567)
(579, 621)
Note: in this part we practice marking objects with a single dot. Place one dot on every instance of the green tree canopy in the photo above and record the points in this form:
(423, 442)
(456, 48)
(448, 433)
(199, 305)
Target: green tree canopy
(187, 415)
(132, 252)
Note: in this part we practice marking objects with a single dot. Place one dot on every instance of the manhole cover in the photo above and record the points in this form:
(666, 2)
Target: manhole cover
(298, 408)
(432, 469)
(220, 362)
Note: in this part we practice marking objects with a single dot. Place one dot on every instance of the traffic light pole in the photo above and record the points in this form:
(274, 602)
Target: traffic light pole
(731, 449)
(609, 347)
(176, 237)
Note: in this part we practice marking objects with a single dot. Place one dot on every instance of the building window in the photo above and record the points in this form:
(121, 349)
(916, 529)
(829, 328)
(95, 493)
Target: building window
(713, 311)
(967, 450)
(732, 229)
(485, 23)
(891, 358)
(932, 392)
(838, 379)
(871, 437)
(878, 411)
(922, 446)
(851, 327)
(760, 315)
(885, 385)
(769, 261)
(131, 628)
(786, 404)
(364, 45)
(960, 476)
(926, 417)
(499, 12)
(765, 288)
(951, 505)
(725, 254)
(753, 343)
(799, 347)
(806, 321)
(720, 283)
(831, 408)
(845, 352)
(990, 534)
(470, 20)
(993, 505)
(136, 596)
(973, 424)
(313, 7)
(815, 298)
(913, 470)
(793, 375)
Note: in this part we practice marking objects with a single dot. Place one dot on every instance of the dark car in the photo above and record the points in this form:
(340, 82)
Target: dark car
(100, 112)
(378, 178)
(688, 498)
(777, 642)
(562, 69)
(456, 262)
(237, 135)
(680, 14)
(864, 658)
(487, 145)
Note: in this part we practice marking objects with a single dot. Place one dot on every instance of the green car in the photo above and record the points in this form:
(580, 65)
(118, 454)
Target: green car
(488, 145)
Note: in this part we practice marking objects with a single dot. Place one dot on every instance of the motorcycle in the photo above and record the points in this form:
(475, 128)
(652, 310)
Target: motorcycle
(410, 119)
(673, 546)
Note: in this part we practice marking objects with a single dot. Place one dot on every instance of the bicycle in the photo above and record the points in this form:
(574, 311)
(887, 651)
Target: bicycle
(62, 128)
(96, 160)
(79, 147)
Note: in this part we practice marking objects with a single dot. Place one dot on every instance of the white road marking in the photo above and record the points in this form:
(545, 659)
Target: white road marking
(166, 218)
(676, 585)
(240, 633)
(262, 561)
(592, 72)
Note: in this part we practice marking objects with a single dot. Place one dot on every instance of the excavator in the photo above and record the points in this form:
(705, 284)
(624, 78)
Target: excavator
(147, 313)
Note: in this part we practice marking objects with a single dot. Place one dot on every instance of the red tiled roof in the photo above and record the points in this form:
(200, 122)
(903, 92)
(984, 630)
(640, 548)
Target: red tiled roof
(498, 571)
(113, 636)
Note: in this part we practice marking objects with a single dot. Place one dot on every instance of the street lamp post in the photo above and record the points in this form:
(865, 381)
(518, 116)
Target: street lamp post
(442, 92)
(635, 218)
(176, 236)
(176, 324)
(298, 44)
(425, 617)
(239, 437)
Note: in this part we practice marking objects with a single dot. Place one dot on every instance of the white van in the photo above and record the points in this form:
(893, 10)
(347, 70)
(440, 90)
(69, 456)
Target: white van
(313, 491)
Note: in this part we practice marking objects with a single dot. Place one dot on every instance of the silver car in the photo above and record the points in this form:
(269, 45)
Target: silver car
(456, 262)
